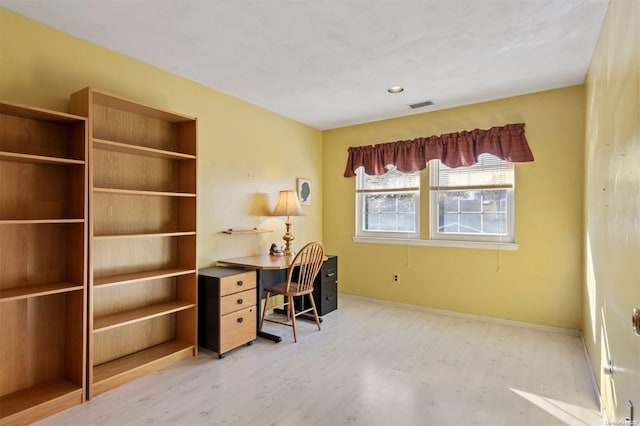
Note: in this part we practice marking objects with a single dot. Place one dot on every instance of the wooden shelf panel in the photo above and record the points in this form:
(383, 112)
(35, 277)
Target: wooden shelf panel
(24, 292)
(15, 405)
(159, 234)
(140, 276)
(40, 159)
(39, 221)
(119, 319)
(138, 192)
(140, 150)
(117, 102)
(121, 370)
(246, 231)
(40, 114)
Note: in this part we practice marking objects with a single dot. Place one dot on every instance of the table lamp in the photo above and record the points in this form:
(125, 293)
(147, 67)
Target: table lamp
(288, 205)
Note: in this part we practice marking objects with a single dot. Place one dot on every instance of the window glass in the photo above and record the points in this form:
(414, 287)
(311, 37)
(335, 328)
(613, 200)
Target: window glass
(472, 203)
(387, 204)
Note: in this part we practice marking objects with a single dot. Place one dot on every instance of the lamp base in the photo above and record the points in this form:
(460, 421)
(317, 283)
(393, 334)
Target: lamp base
(288, 237)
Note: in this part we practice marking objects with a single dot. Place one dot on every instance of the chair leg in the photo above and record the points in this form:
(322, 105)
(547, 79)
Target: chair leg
(287, 311)
(315, 312)
(293, 319)
(264, 309)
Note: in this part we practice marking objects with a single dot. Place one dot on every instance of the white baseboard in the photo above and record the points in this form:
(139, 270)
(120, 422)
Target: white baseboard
(594, 383)
(539, 327)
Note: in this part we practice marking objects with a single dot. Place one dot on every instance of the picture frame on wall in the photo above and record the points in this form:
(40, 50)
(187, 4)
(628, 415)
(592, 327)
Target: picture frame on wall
(304, 191)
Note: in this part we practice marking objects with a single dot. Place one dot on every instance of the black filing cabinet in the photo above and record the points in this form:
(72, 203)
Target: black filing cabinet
(325, 288)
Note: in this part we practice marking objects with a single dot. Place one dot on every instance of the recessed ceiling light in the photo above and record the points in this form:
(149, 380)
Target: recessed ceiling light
(395, 89)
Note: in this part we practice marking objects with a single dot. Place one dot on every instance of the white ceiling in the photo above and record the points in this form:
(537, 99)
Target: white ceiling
(328, 63)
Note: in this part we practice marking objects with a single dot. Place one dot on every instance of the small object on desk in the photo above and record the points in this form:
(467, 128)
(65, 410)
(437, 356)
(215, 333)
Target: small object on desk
(275, 250)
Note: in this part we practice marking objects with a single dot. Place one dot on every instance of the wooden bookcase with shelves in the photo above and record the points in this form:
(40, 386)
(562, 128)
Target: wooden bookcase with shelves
(43, 207)
(142, 228)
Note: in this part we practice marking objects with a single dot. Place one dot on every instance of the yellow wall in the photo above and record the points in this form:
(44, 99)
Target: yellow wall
(612, 207)
(245, 154)
(541, 282)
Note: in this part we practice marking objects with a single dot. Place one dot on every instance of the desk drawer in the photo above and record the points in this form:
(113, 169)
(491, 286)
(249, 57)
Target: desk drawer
(237, 328)
(237, 301)
(238, 282)
(327, 298)
(329, 270)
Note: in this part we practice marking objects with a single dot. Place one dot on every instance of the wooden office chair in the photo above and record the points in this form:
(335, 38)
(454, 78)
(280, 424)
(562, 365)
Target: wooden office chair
(307, 263)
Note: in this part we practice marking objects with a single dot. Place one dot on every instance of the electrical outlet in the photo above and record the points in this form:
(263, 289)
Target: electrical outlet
(396, 278)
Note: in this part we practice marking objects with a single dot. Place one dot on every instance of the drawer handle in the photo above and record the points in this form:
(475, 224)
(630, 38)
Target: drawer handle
(240, 319)
(240, 283)
(331, 274)
(239, 301)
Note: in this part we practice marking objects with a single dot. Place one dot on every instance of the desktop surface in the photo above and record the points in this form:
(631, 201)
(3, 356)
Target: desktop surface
(260, 261)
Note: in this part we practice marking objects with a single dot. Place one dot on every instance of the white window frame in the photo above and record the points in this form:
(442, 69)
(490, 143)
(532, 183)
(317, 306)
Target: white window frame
(471, 241)
(360, 213)
(435, 189)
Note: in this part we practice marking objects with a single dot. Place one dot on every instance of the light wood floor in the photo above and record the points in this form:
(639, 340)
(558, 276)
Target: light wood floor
(372, 364)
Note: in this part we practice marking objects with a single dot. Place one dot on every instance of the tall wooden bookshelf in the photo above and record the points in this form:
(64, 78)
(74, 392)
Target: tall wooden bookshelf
(142, 246)
(43, 187)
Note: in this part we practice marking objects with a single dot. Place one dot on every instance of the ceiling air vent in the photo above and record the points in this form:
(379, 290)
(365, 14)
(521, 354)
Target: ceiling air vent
(421, 104)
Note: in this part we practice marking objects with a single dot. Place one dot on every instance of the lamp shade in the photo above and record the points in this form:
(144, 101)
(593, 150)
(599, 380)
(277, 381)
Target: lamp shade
(288, 204)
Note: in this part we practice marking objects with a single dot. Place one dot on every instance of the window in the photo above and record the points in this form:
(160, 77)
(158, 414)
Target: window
(468, 206)
(473, 203)
(388, 205)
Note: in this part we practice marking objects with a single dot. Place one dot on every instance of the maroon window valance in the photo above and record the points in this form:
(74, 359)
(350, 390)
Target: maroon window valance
(453, 149)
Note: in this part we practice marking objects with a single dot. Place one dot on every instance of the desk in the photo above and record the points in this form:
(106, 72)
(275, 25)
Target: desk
(270, 270)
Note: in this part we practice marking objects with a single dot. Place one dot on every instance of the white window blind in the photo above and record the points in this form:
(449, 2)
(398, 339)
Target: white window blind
(391, 181)
(489, 172)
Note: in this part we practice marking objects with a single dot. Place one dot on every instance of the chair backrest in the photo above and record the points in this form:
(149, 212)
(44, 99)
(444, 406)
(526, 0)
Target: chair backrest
(308, 262)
